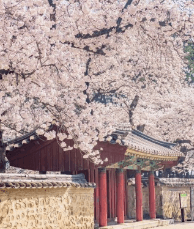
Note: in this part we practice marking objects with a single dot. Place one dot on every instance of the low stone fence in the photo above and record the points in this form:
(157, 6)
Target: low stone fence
(45, 202)
(167, 198)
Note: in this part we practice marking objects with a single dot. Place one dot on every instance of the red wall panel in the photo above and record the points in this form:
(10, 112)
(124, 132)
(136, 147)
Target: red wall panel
(61, 159)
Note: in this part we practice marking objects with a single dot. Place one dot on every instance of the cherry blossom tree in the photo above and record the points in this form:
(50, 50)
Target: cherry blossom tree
(57, 58)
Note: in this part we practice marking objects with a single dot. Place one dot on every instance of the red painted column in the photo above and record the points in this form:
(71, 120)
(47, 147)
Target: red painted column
(102, 197)
(139, 196)
(152, 196)
(120, 196)
(97, 195)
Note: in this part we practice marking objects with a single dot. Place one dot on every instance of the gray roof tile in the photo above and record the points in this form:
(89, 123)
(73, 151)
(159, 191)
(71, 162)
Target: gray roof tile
(133, 139)
(16, 181)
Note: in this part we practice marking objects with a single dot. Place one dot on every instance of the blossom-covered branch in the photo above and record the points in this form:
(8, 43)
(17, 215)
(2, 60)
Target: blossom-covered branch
(57, 56)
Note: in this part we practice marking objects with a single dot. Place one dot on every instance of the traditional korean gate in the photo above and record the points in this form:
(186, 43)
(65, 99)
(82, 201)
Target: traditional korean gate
(112, 194)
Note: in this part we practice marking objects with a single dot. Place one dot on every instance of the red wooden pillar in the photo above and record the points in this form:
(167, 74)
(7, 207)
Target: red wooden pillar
(139, 196)
(96, 191)
(120, 196)
(102, 197)
(112, 193)
(109, 183)
(152, 196)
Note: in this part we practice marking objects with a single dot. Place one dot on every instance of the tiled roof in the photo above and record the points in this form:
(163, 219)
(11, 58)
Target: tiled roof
(19, 141)
(13, 169)
(43, 181)
(133, 139)
(136, 140)
(176, 182)
(18, 170)
(171, 182)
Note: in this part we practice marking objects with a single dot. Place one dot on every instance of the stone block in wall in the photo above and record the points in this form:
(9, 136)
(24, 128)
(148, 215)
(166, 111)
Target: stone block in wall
(47, 208)
(171, 204)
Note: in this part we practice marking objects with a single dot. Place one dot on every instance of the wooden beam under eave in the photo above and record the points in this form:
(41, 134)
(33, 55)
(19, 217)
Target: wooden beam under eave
(154, 157)
(134, 166)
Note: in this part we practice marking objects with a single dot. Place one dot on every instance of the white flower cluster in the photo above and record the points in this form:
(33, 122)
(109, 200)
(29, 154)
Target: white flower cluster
(64, 73)
(61, 136)
(40, 131)
(50, 135)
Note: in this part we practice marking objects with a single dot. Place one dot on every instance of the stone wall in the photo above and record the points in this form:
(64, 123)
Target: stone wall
(167, 202)
(171, 204)
(59, 208)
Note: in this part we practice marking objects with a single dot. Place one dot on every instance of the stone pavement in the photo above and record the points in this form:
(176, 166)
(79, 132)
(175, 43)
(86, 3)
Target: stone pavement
(186, 225)
(138, 225)
(132, 224)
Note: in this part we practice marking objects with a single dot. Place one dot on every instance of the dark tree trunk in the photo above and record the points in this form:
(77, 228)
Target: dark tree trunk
(2, 160)
(132, 108)
(2, 154)
(53, 16)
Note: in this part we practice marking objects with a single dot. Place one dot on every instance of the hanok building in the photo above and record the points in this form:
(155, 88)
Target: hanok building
(129, 154)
